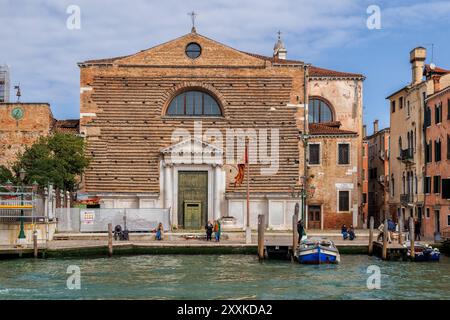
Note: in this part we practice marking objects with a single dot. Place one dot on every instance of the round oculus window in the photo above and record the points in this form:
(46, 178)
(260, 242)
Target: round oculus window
(193, 50)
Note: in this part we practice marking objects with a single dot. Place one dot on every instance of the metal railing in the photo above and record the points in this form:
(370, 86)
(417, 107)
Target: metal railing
(407, 198)
(407, 155)
(18, 204)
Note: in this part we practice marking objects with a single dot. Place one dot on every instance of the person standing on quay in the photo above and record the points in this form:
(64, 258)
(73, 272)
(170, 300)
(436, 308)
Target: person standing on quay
(217, 230)
(417, 230)
(159, 231)
(300, 230)
(209, 229)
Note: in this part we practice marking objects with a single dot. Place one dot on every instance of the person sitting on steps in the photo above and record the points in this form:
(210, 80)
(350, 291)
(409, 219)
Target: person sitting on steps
(351, 233)
(344, 232)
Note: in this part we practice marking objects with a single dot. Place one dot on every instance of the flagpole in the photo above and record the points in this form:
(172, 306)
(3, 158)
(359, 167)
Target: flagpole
(248, 233)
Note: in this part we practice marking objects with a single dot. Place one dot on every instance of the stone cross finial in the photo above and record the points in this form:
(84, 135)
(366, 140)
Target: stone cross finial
(193, 15)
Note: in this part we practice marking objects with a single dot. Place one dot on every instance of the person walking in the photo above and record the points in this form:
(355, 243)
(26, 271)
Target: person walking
(209, 229)
(217, 230)
(391, 229)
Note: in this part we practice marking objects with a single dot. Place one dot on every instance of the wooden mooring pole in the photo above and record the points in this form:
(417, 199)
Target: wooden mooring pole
(294, 234)
(411, 236)
(35, 244)
(261, 229)
(110, 240)
(400, 228)
(385, 240)
(371, 225)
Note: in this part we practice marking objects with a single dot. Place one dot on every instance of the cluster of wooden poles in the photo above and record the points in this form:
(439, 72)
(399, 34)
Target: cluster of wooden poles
(385, 236)
(262, 228)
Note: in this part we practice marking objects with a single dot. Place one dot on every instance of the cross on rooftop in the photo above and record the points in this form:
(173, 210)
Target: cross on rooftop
(193, 16)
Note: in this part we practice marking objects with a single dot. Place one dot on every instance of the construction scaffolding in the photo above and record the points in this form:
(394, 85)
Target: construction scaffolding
(4, 84)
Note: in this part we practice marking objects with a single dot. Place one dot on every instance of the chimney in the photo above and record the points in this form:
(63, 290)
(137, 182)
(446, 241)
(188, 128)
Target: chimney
(279, 50)
(417, 58)
(364, 131)
(375, 126)
(436, 83)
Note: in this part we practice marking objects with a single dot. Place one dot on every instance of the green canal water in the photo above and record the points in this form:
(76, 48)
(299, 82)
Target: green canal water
(221, 277)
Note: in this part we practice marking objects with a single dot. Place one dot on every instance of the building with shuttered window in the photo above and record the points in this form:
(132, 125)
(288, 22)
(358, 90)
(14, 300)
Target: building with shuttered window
(437, 170)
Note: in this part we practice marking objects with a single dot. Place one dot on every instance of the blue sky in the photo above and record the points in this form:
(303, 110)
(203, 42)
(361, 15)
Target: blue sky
(42, 53)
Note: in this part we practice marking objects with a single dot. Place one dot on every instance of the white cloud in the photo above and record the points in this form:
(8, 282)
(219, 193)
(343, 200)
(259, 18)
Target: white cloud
(43, 53)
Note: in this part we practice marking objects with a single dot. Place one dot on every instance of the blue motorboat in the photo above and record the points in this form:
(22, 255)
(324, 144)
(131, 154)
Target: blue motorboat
(423, 252)
(317, 251)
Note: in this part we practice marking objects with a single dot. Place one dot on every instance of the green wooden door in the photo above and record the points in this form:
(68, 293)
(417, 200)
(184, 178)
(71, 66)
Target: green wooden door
(193, 187)
(192, 215)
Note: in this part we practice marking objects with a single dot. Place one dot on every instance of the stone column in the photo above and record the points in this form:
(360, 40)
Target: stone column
(69, 218)
(168, 191)
(45, 202)
(61, 199)
(217, 191)
(53, 204)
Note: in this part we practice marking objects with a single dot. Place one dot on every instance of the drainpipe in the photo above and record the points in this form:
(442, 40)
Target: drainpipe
(305, 141)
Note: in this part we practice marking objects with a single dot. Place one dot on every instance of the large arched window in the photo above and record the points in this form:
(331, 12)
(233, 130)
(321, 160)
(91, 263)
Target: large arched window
(319, 111)
(193, 103)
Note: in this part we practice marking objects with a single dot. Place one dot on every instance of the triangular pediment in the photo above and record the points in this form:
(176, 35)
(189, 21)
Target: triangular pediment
(192, 151)
(173, 53)
(193, 146)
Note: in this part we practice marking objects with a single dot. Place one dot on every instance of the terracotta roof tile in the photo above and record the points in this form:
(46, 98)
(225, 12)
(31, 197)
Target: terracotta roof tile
(321, 72)
(67, 126)
(427, 70)
(313, 71)
(328, 128)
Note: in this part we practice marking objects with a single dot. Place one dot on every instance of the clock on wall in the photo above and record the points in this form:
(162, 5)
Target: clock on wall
(17, 113)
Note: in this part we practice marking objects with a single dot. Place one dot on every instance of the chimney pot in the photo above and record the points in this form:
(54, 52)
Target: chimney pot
(436, 83)
(375, 126)
(417, 58)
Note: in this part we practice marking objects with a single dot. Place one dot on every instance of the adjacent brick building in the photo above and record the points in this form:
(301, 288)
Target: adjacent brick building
(407, 140)
(336, 134)
(21, 124)
(378, 173)
(437, 155)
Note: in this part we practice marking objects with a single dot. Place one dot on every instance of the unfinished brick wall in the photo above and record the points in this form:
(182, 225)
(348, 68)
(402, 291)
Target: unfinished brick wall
(15, 134)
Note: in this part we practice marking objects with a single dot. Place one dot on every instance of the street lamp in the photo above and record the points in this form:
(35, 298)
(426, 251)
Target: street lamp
(22, 237)
(9, 185)
(35, 186)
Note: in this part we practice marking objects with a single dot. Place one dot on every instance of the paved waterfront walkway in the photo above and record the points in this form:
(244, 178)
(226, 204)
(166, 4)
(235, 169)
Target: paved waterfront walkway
(177, 241)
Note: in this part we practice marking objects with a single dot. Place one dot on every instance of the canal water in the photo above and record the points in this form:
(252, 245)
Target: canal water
(221, 277)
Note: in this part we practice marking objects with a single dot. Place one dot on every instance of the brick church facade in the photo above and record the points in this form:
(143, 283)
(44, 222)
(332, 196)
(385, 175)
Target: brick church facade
(166, 128)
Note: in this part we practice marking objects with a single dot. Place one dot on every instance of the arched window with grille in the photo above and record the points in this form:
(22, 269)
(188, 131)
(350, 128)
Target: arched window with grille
(194, 103)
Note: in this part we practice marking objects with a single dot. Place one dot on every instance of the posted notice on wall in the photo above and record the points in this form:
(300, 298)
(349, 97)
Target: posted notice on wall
(87, 216)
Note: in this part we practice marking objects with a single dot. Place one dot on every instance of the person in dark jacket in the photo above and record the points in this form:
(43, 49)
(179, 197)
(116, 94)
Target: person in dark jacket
(344, 231)
(300, 230)
(351, 233)
(209, 230)
(417, 230)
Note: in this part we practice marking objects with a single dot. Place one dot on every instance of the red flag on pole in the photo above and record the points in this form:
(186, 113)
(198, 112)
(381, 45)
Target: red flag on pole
(239, 179)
